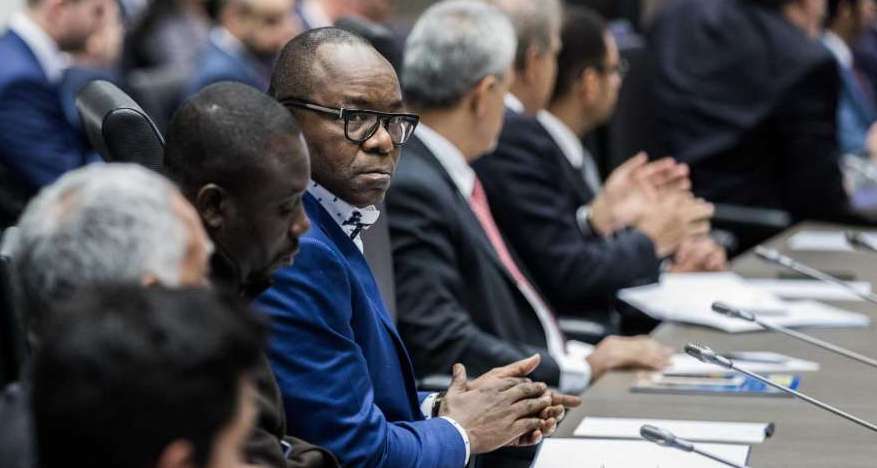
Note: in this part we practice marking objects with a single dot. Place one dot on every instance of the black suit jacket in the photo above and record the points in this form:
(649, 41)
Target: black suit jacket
(534, 193)
(455, 300)
(749, 102)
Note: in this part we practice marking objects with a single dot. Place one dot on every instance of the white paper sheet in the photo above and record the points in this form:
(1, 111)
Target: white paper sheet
(605, 453)
(810, 289)
(688, 298)
(683, 364)
(827, 241)
(695, 431)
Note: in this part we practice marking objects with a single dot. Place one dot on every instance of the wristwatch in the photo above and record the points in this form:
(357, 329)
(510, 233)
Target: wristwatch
(437, 404)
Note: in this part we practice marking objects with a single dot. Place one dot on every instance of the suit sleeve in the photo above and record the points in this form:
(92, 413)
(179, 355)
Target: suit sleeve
(434, 324)
(37, 140)
(570, 267)
(810, 164)
(324, 377)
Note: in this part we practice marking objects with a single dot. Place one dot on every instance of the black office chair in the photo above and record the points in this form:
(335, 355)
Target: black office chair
(117, 127)
(12, 336)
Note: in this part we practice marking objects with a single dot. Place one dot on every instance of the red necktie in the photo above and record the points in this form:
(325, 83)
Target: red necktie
(480, 206)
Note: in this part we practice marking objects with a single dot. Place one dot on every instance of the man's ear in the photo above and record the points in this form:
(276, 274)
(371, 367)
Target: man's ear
(179, 454)
(588, 85)
(531, 70)
(212, 205)
(480, 95)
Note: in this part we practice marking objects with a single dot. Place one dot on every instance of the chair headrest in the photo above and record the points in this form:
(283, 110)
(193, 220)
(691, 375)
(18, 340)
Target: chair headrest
(117, 127)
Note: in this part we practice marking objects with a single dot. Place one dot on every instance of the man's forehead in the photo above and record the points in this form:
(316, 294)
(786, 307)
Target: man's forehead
(356, 75)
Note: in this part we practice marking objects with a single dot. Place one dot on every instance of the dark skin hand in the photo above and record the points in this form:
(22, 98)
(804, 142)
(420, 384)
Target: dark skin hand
(515, 373)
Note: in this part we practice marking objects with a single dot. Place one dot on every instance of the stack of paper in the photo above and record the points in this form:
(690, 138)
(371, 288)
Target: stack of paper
(827, 241)
(688, 298)
(758, 362)
(694, 431)
(602, 453)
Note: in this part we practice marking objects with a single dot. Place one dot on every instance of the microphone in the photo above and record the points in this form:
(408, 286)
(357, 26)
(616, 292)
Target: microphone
(733, 312)
(860, 241)
(665, 438)
(698, 351)
(773, 256)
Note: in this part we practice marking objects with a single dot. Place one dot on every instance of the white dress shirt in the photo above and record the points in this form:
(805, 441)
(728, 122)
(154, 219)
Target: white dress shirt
(52, 60)
(838, 48)
(572, 148)
(353, 221)
(575, 373)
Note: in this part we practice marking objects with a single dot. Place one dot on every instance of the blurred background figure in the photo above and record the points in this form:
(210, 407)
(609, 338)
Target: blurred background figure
(845, 23)
(189, 387)
(38, 140)
(322, 13)
(168, 34)
(244, 43)
(747, 97)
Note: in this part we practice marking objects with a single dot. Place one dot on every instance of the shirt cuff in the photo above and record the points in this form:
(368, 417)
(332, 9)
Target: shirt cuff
(463, 434)
(427, 404)
(575, 372)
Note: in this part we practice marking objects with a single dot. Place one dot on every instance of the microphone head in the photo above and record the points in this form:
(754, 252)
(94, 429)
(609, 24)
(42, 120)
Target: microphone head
(657, 435)
(707, 355)
(764, 253)
(733, 312)
(664, 438)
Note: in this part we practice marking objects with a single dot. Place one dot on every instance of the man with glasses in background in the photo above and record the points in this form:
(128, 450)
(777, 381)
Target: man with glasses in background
(582, 239)
(345, 375)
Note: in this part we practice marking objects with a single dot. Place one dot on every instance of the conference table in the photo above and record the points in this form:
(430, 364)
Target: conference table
(805, 436)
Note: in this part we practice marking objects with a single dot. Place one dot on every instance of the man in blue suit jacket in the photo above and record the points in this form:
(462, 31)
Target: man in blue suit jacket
(345, 375)
(38, 142)
(243, 46)
(846, 22)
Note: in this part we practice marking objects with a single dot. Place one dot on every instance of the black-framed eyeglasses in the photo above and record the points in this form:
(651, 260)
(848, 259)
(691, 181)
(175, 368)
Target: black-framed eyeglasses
(362, 124)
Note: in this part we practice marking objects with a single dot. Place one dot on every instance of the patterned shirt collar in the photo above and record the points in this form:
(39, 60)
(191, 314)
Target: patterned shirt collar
(351, 219)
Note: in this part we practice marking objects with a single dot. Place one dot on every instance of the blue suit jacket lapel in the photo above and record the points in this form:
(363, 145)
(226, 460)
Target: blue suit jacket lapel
(363, 272)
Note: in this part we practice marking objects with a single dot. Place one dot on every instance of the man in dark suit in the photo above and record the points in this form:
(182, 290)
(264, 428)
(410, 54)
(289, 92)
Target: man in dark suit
(244, 44)
(747, 98)
(346, 377)
(462, 294)
(238, 157)
(38, 142)
(583, 240)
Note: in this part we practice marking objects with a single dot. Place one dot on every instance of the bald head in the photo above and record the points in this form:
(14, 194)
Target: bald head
(240, 159)
(304, 61)
(228, 134)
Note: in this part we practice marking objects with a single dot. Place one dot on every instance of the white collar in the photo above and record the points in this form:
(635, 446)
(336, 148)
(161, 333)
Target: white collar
(314, 14)
(225, 40)
(514, 104)
(351, 219)
(569, 143)
(450, 157)
(839, 48)
(52, 60)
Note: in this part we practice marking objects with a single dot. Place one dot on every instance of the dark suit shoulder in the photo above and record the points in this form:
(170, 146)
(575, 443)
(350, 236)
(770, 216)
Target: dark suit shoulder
(19, 63)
